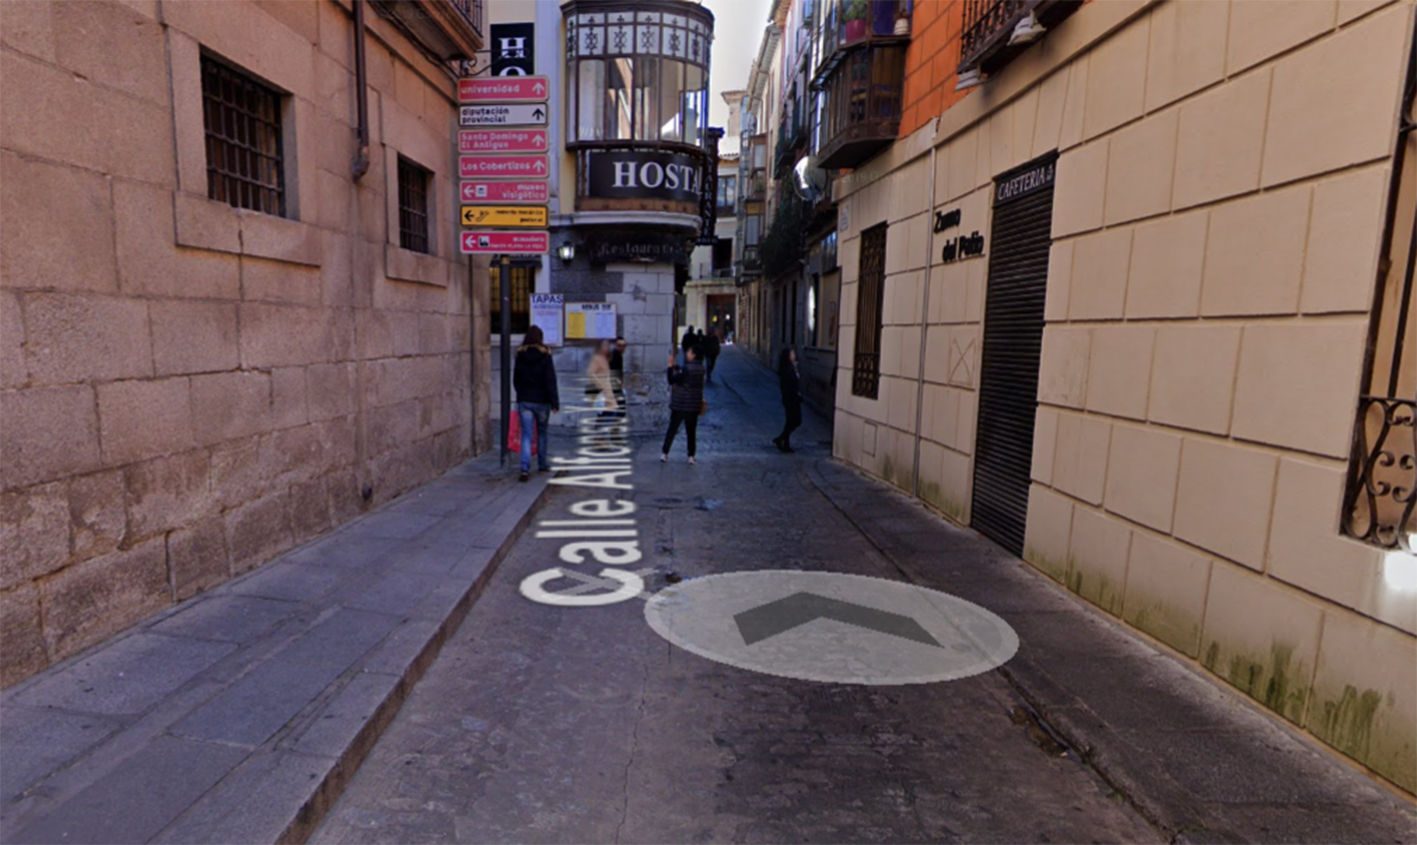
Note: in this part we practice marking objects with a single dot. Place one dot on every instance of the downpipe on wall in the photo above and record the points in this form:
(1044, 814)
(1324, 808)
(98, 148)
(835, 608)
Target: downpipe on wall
(924, 329)
(361, 158)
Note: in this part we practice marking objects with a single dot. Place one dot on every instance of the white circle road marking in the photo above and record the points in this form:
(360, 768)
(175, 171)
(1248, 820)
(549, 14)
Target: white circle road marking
(831, 627)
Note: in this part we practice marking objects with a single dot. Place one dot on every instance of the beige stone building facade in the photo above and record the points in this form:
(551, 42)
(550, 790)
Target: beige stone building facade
(1220, 246)
(217, 338)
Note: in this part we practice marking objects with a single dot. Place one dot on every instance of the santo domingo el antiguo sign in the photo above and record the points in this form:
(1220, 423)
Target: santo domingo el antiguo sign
(643, 174)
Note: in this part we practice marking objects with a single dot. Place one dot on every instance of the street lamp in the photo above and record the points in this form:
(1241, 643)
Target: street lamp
(566, 252)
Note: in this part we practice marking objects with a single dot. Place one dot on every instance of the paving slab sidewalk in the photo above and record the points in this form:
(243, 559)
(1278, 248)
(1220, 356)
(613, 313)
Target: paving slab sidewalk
(239, 715)
(1198, 762)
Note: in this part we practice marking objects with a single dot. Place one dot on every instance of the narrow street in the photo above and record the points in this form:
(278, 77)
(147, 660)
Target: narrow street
(580, 724)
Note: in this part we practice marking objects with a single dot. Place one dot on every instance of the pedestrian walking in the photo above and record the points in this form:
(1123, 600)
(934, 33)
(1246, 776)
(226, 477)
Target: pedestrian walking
(617, 373)
(789, 381)
(686, 400)
(600, 392)
(534, 378)
(711, 350)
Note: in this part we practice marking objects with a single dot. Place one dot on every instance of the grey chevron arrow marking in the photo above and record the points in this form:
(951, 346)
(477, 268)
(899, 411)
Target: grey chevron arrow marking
(784, 614)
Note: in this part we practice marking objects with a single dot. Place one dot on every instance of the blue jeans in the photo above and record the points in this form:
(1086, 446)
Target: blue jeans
(538, 413)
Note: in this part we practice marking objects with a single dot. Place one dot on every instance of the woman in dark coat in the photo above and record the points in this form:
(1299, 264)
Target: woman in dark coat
(686, 400)
(537, 398)
(790, 382)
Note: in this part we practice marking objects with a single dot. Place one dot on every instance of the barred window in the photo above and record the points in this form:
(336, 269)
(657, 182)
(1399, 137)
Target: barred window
(243, 126)
(523, 278)
(413, 206)
(870, 295)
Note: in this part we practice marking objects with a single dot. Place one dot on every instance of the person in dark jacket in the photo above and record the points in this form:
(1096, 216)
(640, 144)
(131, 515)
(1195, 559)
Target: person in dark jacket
(537, 398)
(789, 381)
(617, 373)
(711, 349)
(686, 400)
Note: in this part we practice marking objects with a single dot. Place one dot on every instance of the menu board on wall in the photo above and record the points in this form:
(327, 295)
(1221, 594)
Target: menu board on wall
(590, 320)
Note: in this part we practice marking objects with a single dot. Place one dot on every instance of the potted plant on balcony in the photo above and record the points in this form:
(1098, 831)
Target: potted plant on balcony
(854, 20)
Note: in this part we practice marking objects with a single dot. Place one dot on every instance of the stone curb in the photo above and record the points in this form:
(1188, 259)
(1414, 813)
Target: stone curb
(205, 726)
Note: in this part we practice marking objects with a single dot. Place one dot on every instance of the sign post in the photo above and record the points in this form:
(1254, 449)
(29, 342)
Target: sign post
(504, 269)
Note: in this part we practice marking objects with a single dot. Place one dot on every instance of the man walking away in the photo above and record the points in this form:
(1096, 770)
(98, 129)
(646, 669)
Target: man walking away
(686, 401)
(711, 350)
(790, 382)
(537, 398)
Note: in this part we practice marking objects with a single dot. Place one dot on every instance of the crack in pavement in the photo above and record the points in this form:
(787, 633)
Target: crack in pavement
(634, 750)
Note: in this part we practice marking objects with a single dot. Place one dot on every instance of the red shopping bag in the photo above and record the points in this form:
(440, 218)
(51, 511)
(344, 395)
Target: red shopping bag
(514, 434)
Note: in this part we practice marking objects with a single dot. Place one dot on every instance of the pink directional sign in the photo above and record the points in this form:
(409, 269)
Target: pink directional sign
(507, 167)
(514, 242)
(478, 193)
(502, 89)
(502, 141)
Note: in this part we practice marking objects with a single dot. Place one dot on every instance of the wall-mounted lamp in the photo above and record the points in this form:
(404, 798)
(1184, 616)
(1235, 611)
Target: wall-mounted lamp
(566, 252)
(969, 79)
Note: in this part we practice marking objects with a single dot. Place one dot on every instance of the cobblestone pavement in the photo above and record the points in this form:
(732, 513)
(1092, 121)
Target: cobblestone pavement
(565, 724)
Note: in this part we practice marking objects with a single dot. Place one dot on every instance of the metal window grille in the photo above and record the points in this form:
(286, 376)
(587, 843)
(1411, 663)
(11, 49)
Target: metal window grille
(243, 129)
(522, 280)
(413, 206)
(870, 294)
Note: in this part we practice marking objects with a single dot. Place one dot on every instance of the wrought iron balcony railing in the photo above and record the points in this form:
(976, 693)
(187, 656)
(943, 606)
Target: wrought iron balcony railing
(989, 26)
(471, 11)
(1383, 493)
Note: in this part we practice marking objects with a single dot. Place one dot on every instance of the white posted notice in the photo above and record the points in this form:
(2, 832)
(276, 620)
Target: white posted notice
(546, 313)
(590, 320)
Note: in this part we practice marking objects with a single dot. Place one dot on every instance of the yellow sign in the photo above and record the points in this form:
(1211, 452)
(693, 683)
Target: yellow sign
(533, 216)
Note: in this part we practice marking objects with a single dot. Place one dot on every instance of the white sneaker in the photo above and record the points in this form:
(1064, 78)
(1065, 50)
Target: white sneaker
(664, 458)
(692, 461)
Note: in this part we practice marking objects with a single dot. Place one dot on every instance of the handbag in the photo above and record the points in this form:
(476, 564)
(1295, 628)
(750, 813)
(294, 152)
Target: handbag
(703, 407)
(514, 434)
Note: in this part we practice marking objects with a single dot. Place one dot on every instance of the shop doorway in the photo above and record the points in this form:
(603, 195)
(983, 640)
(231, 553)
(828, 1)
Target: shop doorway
(721, 310)
(1012, 349)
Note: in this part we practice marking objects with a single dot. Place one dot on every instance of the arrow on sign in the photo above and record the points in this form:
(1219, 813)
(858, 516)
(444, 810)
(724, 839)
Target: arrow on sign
(798, 609)
(539, 88)
(539, 114)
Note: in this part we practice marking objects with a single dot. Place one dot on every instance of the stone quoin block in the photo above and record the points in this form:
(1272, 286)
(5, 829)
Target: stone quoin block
(29, 28)
(226, 406)
(1141, 475)
(114, 45)
(1164, 279)
(1098, 558)
(1193, 376)
(1140, 167)
(1357, 75)
(288, 405)
(196, 557)
(1166, 591)
(1080, 190)
(1119, 373)
(1116, 83)
(25, 652)
(1074, 103)
(285, 335)
(1345, 233)
(258, 531)
(1298, 384)
(98, 513)
(1269, 27)
(149, 261)
(47, 433)
(194, 337)
(1221, 140)
(1223, 499)
(1062, 373)
(94, 599)
(34, 532)
(1080, 456)
(1187, 51)
(77, 337)
(142, 420)
(1255, 254)
(1262, 637)
(1048, 532)
(58, 226)
(263, 280)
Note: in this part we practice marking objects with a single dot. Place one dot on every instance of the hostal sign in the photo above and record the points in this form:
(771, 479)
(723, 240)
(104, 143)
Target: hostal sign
(641, 174)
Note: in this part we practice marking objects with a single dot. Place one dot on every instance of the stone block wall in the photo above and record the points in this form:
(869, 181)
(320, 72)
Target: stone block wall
(1218, 212)
(188, 389)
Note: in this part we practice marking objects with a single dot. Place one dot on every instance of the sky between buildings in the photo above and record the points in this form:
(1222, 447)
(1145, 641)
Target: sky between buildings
(737, 31)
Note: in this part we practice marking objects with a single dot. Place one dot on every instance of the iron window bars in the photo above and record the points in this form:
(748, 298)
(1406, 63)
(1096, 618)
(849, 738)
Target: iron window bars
(522, 280)
(1380, 503)
(870, 297)
(413, 206)
(245, 167)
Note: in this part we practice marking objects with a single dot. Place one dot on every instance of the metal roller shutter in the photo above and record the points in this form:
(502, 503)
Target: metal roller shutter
(1012, 348)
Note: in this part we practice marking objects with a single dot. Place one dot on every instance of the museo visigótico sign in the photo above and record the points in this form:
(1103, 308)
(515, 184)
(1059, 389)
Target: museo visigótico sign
(643, 174)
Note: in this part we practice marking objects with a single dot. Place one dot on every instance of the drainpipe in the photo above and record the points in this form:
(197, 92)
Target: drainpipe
(361, 159)
(924, 328)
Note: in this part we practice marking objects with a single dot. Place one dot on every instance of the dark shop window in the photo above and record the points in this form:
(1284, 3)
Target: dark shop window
(523, 280)
(870, 293)
(413, 206)
(243, 128)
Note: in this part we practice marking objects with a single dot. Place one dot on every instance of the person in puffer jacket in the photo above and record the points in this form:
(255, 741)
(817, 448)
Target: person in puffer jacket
(686, 400)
